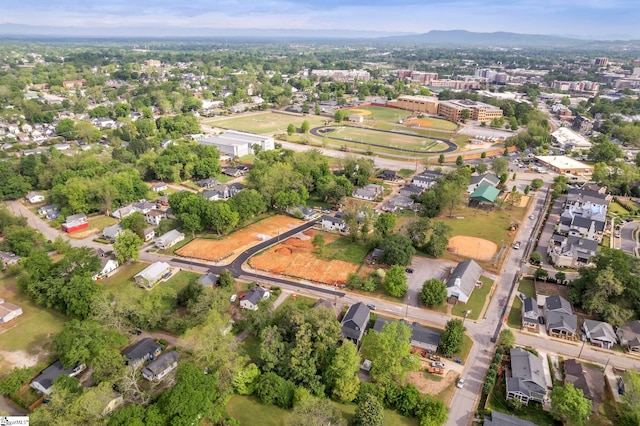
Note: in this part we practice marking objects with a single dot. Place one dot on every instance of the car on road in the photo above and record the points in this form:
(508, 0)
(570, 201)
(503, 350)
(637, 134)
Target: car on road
(460, 383)
(531, 217)
(437, 364)
(409, 270)
(233, 297)
(371, 306)
(516, 246)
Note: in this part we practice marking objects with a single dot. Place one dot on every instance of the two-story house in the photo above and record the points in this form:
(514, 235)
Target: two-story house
(527, 381)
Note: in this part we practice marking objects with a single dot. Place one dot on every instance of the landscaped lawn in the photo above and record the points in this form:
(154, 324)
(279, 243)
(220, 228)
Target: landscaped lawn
(100, 222)
(618, 209)
(122, 286)
(345, 249)
(301, 302)
(31, 330)
(247, 409)
(526, 287)
(532, 412)
(250, 347)
(476, 301)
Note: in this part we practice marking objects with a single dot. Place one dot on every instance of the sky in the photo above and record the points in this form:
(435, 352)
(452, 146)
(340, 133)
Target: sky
(584, 18)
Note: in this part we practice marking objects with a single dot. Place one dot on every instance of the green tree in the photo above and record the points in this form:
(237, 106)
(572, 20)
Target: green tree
(291, 129)
(390, 353)
(66, 129)
(459, 161)
(341, 374)
(507, 338)
(318, 242)
(244, 380)
(434, 292)
(225, 279)
(315, 412)
(221, 218)
(369, 412)
(540, 273)
(451, 196)
(569, 405)
(248, 204)
(536, 258)
(441, 159)
(81, 342)
(499, 165)
(398, 250)
(527, 189)
(465, 114)
(561, 277)
(483, 155)
(395, 281)
(630, 406)
(452, 338)
(385, 224)
(127, 246)
(305, 126)
(537, 184)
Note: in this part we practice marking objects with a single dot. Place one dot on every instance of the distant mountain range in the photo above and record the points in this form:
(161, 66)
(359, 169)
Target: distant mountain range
(435, 37)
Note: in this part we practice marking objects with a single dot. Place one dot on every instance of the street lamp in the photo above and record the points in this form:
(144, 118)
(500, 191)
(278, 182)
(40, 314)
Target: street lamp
(466, 314)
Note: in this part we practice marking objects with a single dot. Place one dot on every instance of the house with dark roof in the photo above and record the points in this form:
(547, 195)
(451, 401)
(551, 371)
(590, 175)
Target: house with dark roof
(332, 223)
(485, 179)
(571, 251)
(208, 280)
(411, 191)
(577, 225)
(599, 334)
(530, 313)
(255, 295)
(590, 380)
(389, 175)
(141, 351)
(421, 337)
(44, 381)
(208, 182)
(355, 322)
(629, 335)
(302, 212)
(527, 381)
(163, 365)
(559, 318)
(426, 179)
(462, 280)
(497, 418)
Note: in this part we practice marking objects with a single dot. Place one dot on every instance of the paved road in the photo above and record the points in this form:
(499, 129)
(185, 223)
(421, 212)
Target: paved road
(626, 242)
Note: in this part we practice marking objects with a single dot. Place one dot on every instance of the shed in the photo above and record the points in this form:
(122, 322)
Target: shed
(485, 193)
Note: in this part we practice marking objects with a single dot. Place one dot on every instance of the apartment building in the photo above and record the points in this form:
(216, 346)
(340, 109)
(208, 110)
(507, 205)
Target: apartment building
(479, 111)
(418, 103)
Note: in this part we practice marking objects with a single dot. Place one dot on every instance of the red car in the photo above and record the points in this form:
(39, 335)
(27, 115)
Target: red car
(242, 296)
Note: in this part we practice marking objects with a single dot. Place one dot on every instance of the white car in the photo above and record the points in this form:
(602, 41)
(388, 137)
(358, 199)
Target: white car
(233, 297)
(516, 246)
(460, 383)
(437, 364)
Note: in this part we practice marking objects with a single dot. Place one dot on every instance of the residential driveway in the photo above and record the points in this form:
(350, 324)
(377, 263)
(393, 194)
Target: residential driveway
(627, 243)
(549, 227)
(424, 269)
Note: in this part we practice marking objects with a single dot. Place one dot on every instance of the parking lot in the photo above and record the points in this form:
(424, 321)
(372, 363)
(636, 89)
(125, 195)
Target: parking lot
(424, 269)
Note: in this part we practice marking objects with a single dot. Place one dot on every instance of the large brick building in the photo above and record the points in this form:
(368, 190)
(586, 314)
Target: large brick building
(478, 111)
(418, 103)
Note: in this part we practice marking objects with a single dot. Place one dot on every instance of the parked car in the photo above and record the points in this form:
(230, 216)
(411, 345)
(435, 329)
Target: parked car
(531, 217)
(516, 246)
(522, 296)
(460, 383)
(233, 297)
(541, 320)
(437, 364)
(371, 306)
(409, 270)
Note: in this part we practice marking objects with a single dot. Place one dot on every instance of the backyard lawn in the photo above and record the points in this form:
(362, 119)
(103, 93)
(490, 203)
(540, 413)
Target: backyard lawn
(532, 412)
(246, 409)
(476, 301)
(31, 331)
(526, 287)
(301, 302)
(100, 222)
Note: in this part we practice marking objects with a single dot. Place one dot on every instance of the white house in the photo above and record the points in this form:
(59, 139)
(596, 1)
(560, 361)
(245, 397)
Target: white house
(8, 311)
(108, 264)
(153, 273)
(462, 280)
(332, 223)
(34, 197)
(160, 186)
(255, 295)
(169, 239)
(154, 217)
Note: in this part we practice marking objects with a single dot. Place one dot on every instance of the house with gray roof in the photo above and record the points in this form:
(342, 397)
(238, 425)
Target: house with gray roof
(302, 212)
(485, 179)
(421, 337)
(599, 334)
(208, 280)
(255, 295)
(111, 232)
(590, 380)
(571, 251)
(169, 239)
(581, 226)
(364, 194)
(530, 313)
(355, 322)
(158, 369)
(462, 280)
(426, 179)
(527, 381)
(559, 318)
(44, 381)
(497, 418)
(141, 351)
(332, 223)
(411, 190)
(629, 335)
(152, 274)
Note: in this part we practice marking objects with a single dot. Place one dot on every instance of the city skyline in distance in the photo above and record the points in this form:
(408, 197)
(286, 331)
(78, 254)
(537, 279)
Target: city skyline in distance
(586, 19)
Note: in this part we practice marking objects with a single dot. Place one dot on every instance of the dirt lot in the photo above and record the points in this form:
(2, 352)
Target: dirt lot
(229, 247)
(548, 289)
(431, 386)
(476, 248)
(297, 258)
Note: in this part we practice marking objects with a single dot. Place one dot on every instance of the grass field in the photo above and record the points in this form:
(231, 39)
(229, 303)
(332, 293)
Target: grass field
(476, 301)
(266, 122)
(345, 249)
(301, 302)
(371, 113)
(246, 409)
(407, 140)
(492, 226)
(26, 336)
(122, 286)
(514, 320)
(101, 222)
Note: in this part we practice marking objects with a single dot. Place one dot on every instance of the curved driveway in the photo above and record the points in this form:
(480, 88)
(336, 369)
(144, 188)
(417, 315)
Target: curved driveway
(451, 147)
